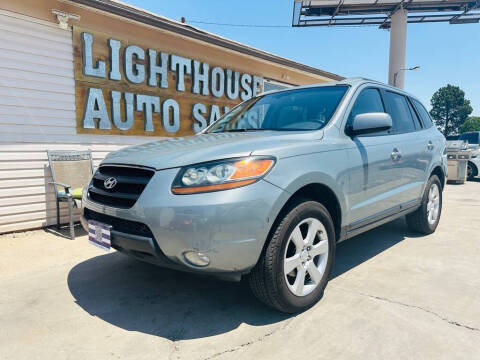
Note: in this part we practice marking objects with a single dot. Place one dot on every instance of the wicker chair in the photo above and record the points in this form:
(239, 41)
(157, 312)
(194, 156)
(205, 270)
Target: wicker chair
(71, 172)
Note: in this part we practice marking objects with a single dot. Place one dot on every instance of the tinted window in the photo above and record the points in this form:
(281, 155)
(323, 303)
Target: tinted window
(427, 121)
(368, 101)
(472, 137)
(400, 112)
(301, 109)
(416, 119)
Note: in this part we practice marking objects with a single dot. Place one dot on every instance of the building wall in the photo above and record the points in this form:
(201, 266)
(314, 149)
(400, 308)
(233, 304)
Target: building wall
(37, 98)
(168, 41)
(37, 112)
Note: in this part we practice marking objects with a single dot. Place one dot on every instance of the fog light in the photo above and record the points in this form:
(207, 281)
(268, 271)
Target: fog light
(196, 258)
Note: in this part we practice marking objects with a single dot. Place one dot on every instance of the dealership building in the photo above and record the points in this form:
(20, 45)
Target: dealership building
(100, 75)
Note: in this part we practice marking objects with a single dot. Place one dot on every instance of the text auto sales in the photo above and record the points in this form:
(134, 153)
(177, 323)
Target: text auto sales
(205, 81)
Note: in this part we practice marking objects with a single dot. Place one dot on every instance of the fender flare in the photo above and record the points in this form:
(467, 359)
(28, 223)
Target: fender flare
(315, 177)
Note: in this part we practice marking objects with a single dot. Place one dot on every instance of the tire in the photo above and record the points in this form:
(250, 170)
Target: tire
(268, 279)
(420, 220)
(471, 171)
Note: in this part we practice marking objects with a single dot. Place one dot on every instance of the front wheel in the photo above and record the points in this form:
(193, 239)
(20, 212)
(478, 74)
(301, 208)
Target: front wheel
(293, 270)
(425, 219)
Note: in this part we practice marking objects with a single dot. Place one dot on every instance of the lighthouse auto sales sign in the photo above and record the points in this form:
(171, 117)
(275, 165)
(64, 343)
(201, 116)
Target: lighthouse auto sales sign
(124, 88)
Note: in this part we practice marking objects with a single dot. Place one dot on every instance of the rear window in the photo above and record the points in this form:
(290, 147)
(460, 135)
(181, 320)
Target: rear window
(426, 119)
(472, 137)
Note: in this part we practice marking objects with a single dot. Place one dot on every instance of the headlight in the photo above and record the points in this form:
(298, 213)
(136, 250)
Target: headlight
(221, 175)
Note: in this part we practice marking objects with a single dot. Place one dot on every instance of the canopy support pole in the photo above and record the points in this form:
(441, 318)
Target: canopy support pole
(398, 43)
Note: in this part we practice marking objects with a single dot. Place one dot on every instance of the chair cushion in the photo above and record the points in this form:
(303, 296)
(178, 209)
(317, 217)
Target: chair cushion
(76, 193)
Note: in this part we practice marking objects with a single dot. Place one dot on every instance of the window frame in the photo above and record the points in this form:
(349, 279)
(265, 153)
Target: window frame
(419, 121)
(414, 101)
(389, 111)
(353, 101)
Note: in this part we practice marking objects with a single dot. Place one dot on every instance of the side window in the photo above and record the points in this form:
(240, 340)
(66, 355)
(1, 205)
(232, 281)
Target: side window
(368, 101)
(400, 112)
(416, 119)
(427, 121)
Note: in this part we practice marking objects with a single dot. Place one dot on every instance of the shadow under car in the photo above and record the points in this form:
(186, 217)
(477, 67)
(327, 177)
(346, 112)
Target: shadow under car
(175, 305)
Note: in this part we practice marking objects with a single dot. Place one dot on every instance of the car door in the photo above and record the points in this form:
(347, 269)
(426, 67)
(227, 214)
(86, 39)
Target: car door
(412, 145)
(375, 165)
(428, 142)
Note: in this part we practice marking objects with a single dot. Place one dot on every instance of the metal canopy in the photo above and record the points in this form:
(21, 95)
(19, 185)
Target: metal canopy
(378, 12)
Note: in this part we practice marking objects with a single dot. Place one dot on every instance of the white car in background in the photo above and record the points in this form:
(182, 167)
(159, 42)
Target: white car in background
(473, 165)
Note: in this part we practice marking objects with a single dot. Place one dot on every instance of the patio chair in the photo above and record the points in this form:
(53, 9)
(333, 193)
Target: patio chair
(71, 172)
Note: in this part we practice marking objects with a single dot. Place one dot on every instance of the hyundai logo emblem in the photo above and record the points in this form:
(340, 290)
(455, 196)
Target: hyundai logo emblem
(110, 183)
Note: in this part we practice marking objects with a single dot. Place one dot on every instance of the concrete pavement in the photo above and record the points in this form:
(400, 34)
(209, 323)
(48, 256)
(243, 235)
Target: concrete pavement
(393, 294)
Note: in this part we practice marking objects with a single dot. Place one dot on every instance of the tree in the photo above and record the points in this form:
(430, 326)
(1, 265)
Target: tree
(471, 124)
(450, 108)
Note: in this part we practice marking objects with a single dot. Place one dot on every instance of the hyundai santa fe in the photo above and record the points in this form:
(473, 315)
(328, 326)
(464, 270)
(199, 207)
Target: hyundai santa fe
(269, 189)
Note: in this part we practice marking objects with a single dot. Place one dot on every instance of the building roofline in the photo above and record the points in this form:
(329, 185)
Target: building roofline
(143, 16)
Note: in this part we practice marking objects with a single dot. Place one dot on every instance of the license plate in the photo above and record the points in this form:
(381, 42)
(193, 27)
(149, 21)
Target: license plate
(99, 234)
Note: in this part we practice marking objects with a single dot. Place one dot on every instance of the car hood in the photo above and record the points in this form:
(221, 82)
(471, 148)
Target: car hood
(177, 152)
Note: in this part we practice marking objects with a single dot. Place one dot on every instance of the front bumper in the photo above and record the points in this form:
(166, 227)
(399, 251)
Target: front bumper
(229, 226)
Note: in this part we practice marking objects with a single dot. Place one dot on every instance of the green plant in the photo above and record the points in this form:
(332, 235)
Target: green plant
(471, 124)
(450, 108)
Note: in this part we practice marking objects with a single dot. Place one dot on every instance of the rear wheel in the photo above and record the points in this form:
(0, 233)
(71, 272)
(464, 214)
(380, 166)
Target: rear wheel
(293, 270)
(425, 219)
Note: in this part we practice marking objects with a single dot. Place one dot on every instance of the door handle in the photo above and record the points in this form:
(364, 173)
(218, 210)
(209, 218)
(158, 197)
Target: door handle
(430, 146)
(396, 155)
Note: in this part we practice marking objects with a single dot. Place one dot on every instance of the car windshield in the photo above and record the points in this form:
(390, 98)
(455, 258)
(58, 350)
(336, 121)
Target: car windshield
(293, 110)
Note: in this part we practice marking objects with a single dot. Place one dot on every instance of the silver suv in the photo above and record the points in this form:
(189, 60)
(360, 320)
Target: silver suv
(268, 190)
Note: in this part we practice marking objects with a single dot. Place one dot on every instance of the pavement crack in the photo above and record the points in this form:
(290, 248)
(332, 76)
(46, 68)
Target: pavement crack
(441, 317)
(178, 335)
(175, 350)
(248, 343)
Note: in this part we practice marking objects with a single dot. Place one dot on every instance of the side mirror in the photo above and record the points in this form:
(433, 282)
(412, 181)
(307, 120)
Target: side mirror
(369, 123)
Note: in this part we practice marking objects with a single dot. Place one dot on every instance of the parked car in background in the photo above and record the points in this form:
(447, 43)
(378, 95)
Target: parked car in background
(473, 165)
(269, 189)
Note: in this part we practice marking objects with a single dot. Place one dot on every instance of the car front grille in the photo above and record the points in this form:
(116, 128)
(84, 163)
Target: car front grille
(121, 225)
(130, 183)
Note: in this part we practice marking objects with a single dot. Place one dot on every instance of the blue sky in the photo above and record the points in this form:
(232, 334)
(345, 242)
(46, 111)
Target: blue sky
(447, 54)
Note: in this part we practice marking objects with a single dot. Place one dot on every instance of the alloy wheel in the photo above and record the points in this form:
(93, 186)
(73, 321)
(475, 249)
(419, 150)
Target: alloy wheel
(433, 205)
(305, 257)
